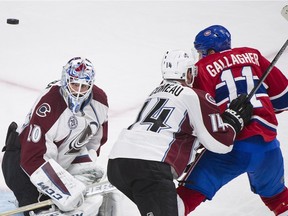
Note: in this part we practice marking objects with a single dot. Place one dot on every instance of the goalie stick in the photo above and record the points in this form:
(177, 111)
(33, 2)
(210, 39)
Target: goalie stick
(284, 13)
(94, 189)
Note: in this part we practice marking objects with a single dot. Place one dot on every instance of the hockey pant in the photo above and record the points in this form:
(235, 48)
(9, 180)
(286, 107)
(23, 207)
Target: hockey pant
(149, 184)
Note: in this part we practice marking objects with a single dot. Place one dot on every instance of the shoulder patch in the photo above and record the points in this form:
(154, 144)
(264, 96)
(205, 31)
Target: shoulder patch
(210, 99)
(72, 122)
(43, 109)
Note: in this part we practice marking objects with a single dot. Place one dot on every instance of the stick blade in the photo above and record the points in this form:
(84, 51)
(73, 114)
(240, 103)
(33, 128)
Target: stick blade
(284, 12)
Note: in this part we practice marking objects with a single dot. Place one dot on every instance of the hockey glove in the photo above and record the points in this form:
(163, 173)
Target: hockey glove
(239, 113)
(66, 192)
(87, 172)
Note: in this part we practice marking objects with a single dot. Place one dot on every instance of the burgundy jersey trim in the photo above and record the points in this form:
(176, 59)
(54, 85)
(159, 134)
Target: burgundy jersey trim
(52, 175)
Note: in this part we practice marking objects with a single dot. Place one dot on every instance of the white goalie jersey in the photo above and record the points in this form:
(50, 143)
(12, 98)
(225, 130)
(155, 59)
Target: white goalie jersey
(172, 124)
(52, 131)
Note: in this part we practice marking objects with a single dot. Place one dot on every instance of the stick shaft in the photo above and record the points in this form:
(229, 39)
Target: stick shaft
(284, 13)
(27, 207)
(265, 74)
(94, 189)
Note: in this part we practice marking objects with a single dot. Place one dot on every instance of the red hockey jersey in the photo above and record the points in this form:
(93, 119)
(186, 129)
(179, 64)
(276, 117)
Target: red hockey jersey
(232, 72)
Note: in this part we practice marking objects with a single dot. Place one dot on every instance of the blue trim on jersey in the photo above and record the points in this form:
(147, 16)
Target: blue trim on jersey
(222, 91)
(280, 103)
(263, 124)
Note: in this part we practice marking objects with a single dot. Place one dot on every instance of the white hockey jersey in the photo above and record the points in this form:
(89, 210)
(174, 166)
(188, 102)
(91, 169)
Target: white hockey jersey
(173, 122)
(51, 130)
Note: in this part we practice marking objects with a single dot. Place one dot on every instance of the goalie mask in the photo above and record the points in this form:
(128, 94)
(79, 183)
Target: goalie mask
(176, 64)
(77, 82)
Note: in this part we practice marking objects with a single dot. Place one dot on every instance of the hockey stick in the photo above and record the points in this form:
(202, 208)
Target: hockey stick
(284, 13)
(94, 189)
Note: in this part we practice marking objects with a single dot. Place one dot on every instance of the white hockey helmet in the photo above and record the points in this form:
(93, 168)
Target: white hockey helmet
(78, 72)
(176, 65)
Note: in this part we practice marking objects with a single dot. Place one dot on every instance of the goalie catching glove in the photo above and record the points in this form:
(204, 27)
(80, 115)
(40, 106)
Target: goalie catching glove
(239, 113)
(87, 172)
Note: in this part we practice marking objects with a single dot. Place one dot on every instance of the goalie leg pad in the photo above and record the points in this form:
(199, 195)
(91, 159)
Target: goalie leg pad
(90, 207)
(54, 181)
(112, 204)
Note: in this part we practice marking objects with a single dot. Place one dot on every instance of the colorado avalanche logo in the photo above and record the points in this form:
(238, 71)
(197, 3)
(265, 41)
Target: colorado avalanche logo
(72, 122)
(43, 110)
(82, 138)
(210, 99)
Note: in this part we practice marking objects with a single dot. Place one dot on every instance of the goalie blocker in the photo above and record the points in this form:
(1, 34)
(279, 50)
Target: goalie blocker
(65, 191)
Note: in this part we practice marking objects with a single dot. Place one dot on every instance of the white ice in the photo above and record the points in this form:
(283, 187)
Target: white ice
(126, 41)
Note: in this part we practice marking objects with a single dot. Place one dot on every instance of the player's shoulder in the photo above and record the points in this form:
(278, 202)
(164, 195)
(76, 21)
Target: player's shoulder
(195, 93)
(51, 94)
(99, 95)
(203, 94)
(49, 105)
(245, 50)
